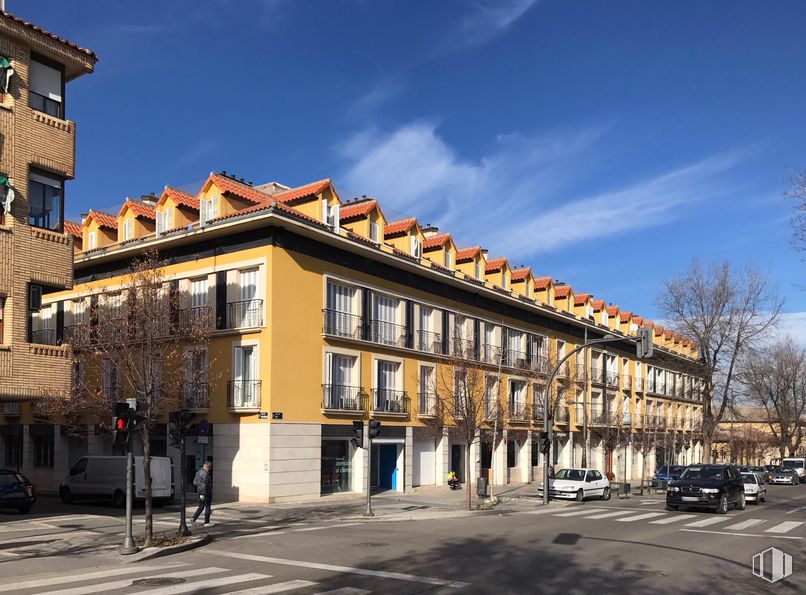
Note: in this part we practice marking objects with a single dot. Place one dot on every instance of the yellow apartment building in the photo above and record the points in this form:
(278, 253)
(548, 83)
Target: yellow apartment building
(37, 159)
(325, 313)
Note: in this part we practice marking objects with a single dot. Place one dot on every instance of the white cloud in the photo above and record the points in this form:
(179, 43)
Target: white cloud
(414, 171)
(794, 325)
(489, 19)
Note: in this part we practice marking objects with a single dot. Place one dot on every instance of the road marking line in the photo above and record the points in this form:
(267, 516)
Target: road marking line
(88, 576)
(794, 510)
(607, 515)
(542, 510)
(742, 534)
(581, 512)
(710, 521)
(213, 582)
(326, 527)
(672, 519)
(744, 524)
(346, 569)
(125, 583)
(641, 517)
(46, 536)
(345, 591)
(261, 534)
(784, 527)
(276, 588)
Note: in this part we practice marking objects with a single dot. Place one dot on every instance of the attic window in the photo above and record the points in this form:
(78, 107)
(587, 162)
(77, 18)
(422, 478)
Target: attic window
(448, 260)
(331, 215)
(5, 74)
(504, 278)
(416, 247)
(208, 209)
(373, 231)
(478, 268)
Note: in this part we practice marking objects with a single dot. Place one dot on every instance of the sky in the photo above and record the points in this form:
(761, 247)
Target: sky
(604, 143)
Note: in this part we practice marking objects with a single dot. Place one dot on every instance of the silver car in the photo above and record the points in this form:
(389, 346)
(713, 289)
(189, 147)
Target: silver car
(785, 476)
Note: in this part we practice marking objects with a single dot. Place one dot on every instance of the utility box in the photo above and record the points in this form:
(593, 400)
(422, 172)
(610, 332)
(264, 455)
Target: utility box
(482, 486)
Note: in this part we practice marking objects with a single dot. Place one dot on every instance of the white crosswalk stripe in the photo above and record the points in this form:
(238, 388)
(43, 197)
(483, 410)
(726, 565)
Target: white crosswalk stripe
(744, 525)
(640, 517)
(276, 588)
(87, 576)
(710, 521)
(345, 591)
(581, 512)
(607, 515)
(784, 527)
(672, 519)
(123, 583)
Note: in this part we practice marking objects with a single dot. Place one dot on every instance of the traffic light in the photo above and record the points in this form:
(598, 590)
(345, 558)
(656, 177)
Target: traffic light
(374, 428)
(644, 345)
(358, 428)
(121, 423)
(186, 417)
(179, 423)
(545, 443)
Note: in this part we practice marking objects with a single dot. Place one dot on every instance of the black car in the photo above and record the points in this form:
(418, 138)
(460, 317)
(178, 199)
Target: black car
(714, 487)
(16, 491)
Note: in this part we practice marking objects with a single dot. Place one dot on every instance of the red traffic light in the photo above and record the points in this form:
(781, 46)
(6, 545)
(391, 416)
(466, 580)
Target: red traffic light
(120, 424)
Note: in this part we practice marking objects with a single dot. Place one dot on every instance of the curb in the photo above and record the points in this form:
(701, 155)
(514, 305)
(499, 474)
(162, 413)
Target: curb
(158, 552)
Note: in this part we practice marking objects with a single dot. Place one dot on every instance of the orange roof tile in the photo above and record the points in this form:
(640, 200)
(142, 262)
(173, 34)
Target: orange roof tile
(562, 291)
(465, 254)
(61, 40)
(625, 316)
(495, 264)
(638, 319)
(436, 241)
(140, 209)
(181, 199)
(649, 324)
(580, 299)
(300, 192)
(268, 203)
(73, 228)
(521, 274)
(612, 310)
(668, 334)
(542, 283)
(658, 331)
(359, 209)
(597, 305)
(401, 226)
(103, 219)
(239, 189)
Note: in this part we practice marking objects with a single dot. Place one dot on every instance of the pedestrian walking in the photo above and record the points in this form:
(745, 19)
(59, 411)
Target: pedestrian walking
(204, 487)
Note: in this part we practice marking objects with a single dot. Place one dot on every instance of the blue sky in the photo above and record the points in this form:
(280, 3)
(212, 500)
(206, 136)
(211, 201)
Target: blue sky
(605, 143)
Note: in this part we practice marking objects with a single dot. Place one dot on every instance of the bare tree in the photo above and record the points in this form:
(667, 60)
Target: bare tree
(608, 427)
(644, 442)
(727, 311)
(139, 342)
(775, 378)
(797, 192)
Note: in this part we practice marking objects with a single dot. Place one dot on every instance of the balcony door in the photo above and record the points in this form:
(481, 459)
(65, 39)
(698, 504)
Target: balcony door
(340, 319)
(387, 385)
(245, 376)
(250, 305)
(341, 394)
(385, 319)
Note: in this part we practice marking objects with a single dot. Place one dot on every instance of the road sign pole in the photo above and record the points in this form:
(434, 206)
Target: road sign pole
(368, 511)
(128, 542)
(183, 526)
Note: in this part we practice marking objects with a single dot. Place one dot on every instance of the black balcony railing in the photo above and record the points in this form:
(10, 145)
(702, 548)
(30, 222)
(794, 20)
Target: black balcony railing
(463, 348)
(342, 324)
(339, 397)
(429, 342)
(540, 364)
(517, 411)
(385, 400)
(243, 394)
(561, 415)
(195, 319)
(196, 395)
(428, 404)
(612, 379)
(387, 333)
(45, 336)
(490, 354)
(650, 385)
(515, 358)
(537, 410)
(246, 314)
(75, 333)
(597, 375)
(599, 415)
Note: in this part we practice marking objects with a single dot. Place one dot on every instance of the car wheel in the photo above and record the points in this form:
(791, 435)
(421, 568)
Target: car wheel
(66, 495)
(119, 499)
(762, 498)
(671, 508)
(24, 509)
(741, 503)
(723, 505)
(606, 494)
(580, 495)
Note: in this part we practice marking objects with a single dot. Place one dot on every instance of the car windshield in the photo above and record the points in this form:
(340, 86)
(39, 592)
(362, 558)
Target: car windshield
(7, 479)
(783, 470)
(702, 473)
(748, 478)
(571, 474)
(662, 470)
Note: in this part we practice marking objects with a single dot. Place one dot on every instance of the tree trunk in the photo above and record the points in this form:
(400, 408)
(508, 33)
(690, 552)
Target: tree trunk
(149, 518)
(468, 475)
(643, 471)
(706, 448)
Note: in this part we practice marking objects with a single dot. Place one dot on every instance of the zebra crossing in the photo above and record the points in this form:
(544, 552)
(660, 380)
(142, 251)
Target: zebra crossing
(170, 578)
(726, 524)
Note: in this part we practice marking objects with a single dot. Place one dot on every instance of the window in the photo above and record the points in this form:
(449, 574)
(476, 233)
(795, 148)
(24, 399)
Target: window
(13, 450)
(517, 398)
(415, 247)
(504, 279)
(373, 231)
(339, 305)
(198, 293)
(194, 387)
(388, 397)
(448, 261)
(510, 454)
(92, 240)
(128, 230)
(110, 379)
(528, 288)
(2, 306)
(163, 221)
(247, 312)
(46, 85)
(245, 385)
(330, 214)
(426, 380)
(384, 323)
(43, 451)
(45, 201)
(208, 209)
(490, 396)
(478, 268)
(340, 379)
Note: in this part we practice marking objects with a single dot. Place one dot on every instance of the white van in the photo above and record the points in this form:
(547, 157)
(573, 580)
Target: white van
(798, 464)
(105, 477)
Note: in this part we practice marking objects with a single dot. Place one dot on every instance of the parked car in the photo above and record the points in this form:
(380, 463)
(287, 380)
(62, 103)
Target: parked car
(578, 484)
(762, 471)
(16, 491)
(715, 487)
(105, 477)
(785, 476)
(754, 488)
(667, 473)
(745, 469)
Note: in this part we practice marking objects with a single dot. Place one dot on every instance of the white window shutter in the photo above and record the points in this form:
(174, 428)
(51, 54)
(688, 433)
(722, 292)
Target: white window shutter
(328, 368)
(237, 364)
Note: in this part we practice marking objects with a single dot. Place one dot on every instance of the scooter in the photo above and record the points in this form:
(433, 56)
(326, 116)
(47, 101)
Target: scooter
(453, 482)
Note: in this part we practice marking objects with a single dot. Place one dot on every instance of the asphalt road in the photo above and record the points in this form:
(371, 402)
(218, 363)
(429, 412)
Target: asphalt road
(620, 546)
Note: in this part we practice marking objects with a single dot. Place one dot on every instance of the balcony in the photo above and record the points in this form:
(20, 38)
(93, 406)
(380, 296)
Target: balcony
(651, 385)
(463, 348)
(537, 411)
(597, 375)
(612, 379)
(517, 412)
(429, 342)
(514, 358)
(387, 333)
(191, 320)
(490, 353)
(639, 384)
(339, 398)
(390, 402)
(626, 381)
(490, 409)
(195, 395)
(75, 333)
(563, 371)
(341, 324)
(428, 404)
(599, 416)
(45, 336)
(243, 394)
(561, 415)
(246, 314)
(12, 409)
(540, 364)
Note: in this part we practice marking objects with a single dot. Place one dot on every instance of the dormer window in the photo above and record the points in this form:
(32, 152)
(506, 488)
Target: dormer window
(163, 222)
(46, 87)
(478, 268)
(128, 230)
(528, 289)
(92, 240)
(208, 209)
(331, 215)
(448, 260)
(504, 279)
(416, 248)
(373, 231)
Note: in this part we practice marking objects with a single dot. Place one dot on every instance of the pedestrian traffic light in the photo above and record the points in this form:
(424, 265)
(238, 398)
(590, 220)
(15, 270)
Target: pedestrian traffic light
(121, 423)
(644, 345)
(374, 428)
(545, 443)
(174, 430)
(186, 417)
(358, 428)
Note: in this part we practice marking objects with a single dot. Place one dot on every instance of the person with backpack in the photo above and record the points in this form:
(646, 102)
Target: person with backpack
(204, 487)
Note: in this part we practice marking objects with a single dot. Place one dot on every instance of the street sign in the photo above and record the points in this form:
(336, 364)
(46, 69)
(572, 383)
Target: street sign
(204, 428)
(203, 439)
(277, 415)
(263, 415)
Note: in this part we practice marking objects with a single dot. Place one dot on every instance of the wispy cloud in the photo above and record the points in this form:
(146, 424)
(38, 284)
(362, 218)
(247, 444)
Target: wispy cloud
(487, 20)
(376, 96)
(794, 325)
(414, 171)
